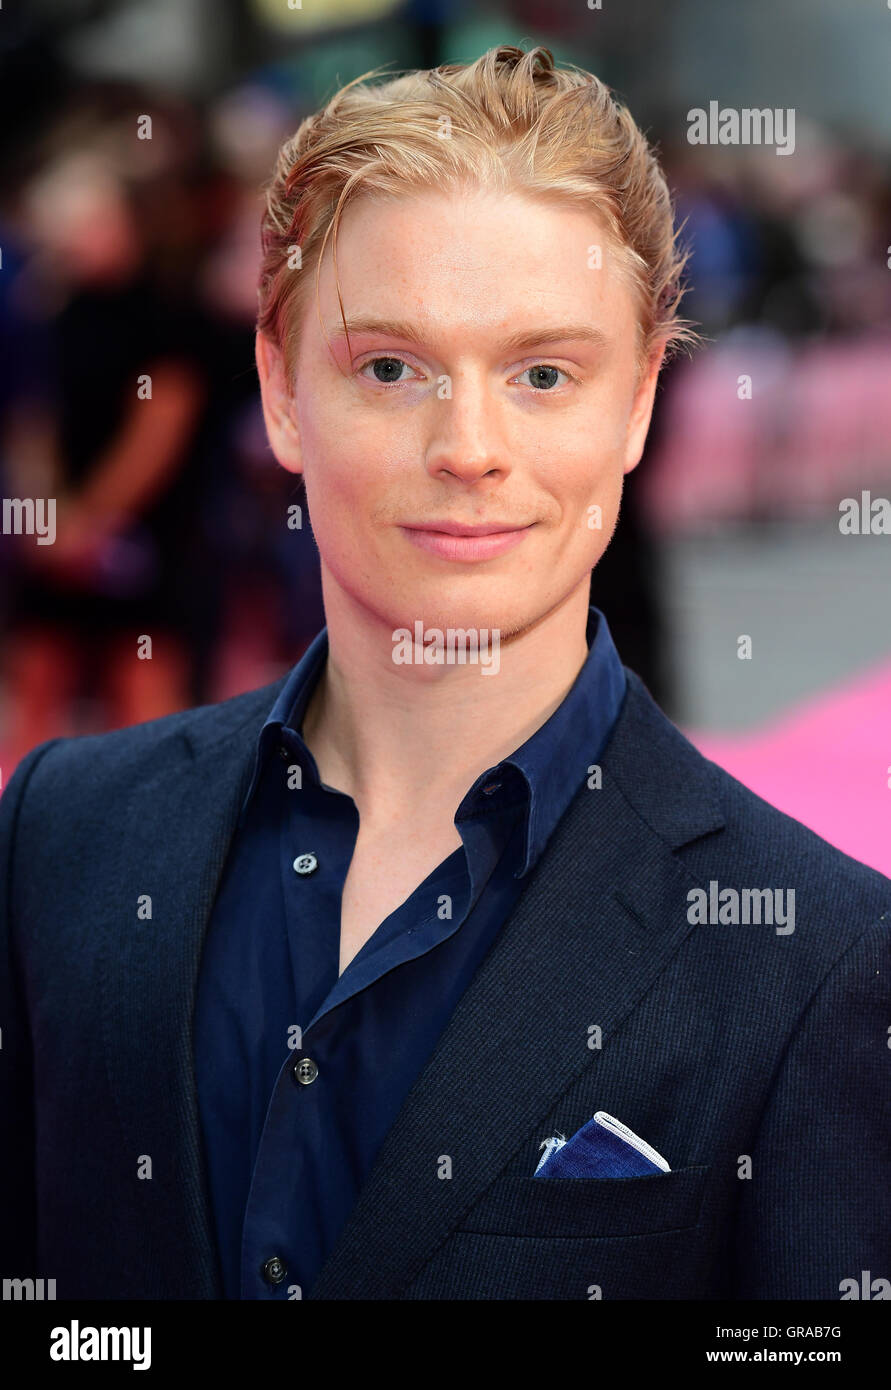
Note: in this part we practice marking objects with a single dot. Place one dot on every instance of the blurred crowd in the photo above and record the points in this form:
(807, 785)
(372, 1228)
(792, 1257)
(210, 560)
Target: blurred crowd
(128, 394)
(787, 410)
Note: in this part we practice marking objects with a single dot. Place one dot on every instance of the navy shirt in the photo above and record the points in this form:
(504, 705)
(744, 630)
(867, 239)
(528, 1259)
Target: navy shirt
(301, 1072)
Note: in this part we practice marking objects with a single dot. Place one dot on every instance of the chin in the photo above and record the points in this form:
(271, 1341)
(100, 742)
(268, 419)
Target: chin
(474, 605)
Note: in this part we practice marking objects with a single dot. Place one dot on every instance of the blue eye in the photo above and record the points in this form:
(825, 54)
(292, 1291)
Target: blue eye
(386, 369)
(546, 376)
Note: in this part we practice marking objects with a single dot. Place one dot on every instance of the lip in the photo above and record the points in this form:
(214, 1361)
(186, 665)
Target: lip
(451, 540)
(459, 528)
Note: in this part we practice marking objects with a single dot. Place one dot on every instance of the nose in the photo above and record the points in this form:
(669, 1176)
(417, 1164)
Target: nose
(467, 439)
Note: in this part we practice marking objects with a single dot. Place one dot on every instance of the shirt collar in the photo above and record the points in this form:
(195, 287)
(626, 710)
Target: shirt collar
(288, 711)
(547, 770)
(554, 762)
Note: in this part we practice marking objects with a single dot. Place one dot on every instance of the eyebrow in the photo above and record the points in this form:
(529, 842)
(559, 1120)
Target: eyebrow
(538, 337)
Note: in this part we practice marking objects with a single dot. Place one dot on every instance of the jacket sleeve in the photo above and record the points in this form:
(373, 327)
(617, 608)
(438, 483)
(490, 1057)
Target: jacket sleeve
(18, 1246)
(817, 1208)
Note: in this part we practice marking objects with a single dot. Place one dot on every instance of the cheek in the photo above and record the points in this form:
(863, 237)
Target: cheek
(589, 474)
(346, 475)
(353, 448)
(586, 486)
(335, 462)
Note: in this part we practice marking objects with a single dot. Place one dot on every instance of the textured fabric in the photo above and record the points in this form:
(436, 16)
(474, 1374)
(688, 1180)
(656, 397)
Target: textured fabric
(286, 1161)
(756, 1063)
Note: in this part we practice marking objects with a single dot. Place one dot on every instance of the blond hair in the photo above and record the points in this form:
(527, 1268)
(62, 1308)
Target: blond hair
(514, 123)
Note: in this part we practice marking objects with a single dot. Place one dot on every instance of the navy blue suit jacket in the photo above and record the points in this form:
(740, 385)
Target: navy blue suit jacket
(756, 1062)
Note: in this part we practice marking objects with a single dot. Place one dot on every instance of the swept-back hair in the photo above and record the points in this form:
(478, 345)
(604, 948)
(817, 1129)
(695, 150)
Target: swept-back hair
(510, 122)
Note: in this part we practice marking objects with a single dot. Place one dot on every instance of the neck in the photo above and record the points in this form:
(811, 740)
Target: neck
(411, 736)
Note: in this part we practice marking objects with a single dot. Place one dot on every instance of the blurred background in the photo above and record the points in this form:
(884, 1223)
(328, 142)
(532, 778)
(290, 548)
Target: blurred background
(124, 257)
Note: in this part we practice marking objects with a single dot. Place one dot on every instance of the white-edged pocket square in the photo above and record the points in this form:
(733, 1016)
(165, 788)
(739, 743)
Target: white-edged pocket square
(602, 1148)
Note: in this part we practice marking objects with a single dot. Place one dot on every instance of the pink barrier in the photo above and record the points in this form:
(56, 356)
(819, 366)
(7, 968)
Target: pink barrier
(827, 763)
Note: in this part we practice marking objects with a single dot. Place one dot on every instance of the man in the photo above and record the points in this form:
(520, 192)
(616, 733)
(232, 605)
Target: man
(308, 989)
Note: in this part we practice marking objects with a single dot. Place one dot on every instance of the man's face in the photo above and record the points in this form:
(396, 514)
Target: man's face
(442, 418)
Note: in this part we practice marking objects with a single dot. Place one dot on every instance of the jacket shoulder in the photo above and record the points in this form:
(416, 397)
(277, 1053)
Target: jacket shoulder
(734, 833)
(76, 767)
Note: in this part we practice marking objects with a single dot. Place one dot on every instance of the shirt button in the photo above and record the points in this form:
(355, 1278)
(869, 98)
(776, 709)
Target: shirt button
(492, 787)
(305, 1071)
(305, 864)
(274, 1270)
(283, 752)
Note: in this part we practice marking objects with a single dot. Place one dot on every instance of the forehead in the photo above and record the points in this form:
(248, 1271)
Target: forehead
(475, 258)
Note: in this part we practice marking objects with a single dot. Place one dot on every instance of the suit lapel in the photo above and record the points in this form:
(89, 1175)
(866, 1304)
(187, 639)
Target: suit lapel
(604, 912)
(173, 847)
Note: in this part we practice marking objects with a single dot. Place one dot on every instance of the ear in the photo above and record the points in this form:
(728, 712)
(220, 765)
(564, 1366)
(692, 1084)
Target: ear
(641, 411)
(278, 406)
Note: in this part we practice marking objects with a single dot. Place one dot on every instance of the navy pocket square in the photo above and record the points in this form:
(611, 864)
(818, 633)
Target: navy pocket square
(602, 1148)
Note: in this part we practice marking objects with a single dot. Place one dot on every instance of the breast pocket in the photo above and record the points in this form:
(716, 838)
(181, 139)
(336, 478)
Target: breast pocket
(586, 1208)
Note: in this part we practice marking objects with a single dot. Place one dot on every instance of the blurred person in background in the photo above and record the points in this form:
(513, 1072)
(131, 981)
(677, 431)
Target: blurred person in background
(25, 401)
(123, 399)
(272, 598)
